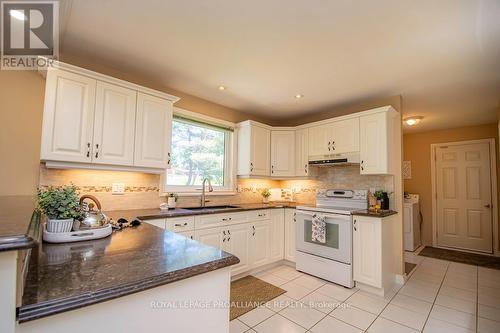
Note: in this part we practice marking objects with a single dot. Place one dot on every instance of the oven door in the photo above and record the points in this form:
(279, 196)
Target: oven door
(338, 245)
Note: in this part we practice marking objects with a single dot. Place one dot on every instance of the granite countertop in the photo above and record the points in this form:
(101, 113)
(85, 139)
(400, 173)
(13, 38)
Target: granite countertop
(63, 277)
(18, 223)
(380, 214)
(156, 213)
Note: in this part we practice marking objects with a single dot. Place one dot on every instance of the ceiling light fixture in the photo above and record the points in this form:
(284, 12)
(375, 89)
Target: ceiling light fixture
(411, 121)
(17, 14)
(298, 96)
(222, 88)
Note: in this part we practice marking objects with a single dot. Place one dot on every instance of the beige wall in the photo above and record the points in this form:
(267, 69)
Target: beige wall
(21, 105)
(417, 149)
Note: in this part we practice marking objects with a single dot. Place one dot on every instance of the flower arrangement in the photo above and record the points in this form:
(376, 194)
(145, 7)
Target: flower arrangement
(266, 193)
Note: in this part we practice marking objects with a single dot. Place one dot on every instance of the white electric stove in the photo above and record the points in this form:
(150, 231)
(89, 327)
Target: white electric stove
(331, 260)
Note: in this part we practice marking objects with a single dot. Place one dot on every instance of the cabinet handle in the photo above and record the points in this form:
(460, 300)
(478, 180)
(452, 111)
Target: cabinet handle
(96, 150)
(333, 145)
(168, 161)
(272, 168)
(305, 168)
(251, 166)
(224, 240)
(355, 229)
(362, 165)
(180, 225)
(88, 149)
(253, 233)
(229, 232)
(224, 232)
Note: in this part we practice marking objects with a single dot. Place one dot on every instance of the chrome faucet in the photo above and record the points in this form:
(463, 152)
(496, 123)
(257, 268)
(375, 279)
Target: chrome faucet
(210, 189)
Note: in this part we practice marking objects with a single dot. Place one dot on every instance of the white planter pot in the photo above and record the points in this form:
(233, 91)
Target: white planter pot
(59, 225)
(171, 202)
(265, 200)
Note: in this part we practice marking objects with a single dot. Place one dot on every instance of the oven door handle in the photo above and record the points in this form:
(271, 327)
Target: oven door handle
(327, 215)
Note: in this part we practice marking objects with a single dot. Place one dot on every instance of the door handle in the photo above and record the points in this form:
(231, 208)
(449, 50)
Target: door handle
(487, 206)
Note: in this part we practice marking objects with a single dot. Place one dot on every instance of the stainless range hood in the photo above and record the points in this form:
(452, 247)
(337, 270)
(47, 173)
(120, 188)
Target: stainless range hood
(335, 159)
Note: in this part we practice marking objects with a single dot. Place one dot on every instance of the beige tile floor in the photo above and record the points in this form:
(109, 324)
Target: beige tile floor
(439, 297)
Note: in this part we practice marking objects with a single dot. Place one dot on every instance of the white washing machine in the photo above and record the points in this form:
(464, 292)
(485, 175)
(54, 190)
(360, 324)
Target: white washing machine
(411, 220)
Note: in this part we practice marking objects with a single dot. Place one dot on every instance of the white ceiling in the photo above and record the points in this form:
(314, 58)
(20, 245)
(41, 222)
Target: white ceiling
(442, 56)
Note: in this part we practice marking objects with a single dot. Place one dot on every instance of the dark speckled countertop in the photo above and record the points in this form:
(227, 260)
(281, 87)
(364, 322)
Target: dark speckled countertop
(156, 213)
(63, 277)
(18, 223)
(369, 213)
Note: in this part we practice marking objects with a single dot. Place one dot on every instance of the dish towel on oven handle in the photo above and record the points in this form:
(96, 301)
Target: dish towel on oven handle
(318, 229)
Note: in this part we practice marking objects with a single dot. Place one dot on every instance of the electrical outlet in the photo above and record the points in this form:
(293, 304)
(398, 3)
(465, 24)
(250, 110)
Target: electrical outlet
(254, 188)
(118, 188)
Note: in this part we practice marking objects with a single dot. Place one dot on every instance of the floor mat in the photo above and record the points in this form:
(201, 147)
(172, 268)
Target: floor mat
(249, 292)
(462, 257)
(409, 267)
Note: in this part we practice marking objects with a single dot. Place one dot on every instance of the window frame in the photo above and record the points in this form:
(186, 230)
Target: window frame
(229, 158)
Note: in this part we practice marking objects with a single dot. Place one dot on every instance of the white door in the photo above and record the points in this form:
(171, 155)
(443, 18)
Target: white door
(213, 237)
(68, 117)
(366, 250)
(464, 200)
(283, 153)
(260, 161)
(290, 234)
(114, 125)
(345, 136)
(277, 235)
(301, 153)
(373, 144)
(320, 139)
(259, 243)
(153, 132)
(238, 244)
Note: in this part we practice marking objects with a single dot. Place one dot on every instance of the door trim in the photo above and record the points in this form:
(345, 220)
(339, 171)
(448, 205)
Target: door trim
(494, 193)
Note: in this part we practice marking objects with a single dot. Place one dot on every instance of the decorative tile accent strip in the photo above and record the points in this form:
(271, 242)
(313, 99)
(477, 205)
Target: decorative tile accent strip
(108, 189)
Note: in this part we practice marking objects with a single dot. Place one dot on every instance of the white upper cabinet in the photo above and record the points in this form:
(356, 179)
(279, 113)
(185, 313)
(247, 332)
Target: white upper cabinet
(345, 136)
(254, 149)
(301, 153)
(320, 140)
(114, 125)
(283, 153)
(67, 131)
(95, 121)
(374, 143)
(153, 132)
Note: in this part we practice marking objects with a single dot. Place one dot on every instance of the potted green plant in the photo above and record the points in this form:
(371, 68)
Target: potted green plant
(61, 206)
(172, 200)
(265, 195)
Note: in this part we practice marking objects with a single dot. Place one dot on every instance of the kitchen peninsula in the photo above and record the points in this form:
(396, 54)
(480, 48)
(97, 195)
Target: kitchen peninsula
(147, 276)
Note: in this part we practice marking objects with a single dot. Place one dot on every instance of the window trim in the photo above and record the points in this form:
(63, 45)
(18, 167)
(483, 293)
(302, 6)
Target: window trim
(230, 158)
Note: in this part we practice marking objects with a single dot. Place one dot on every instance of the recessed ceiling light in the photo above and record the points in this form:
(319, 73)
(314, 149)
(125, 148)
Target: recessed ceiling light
(411, 121)
(17, 14)
(298, 96)
(222, 87)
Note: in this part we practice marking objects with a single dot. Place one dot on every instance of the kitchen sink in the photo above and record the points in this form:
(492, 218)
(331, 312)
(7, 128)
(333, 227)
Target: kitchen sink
(211, 208)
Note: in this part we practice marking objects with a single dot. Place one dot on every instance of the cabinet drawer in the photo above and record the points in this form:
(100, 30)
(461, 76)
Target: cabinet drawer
(218, 220)
(160, 223)
(178, 224)
(257, 215)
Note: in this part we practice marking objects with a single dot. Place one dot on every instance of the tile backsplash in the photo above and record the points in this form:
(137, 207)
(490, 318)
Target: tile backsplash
(142, 190)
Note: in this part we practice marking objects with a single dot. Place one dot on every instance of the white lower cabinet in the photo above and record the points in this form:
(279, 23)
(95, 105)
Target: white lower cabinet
(374, 266)
(213, 236)
(259, 243)
(238, 244)
(187, 234)
(277, 235)
(289, 234)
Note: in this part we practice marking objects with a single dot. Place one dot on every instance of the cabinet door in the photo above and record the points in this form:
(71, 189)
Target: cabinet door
(283, 153)
(320, 139)
(260, 148)
(373, 144)
(290, 234)
(114, 125)
(367, 251)
(68, 117)
(153, 132)
(238, 244)
(259, 243)
(301, 153)
(213, 237)
(160, 223)
(277, 235)
(187, 234)
(345, 136)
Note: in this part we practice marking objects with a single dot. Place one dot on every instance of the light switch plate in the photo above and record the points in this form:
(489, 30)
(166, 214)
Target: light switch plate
(118, 188)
